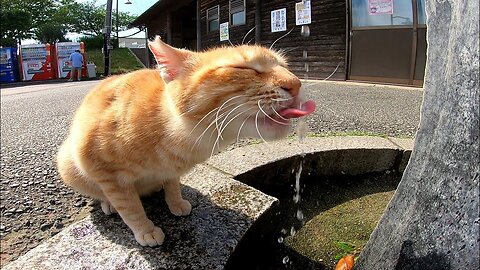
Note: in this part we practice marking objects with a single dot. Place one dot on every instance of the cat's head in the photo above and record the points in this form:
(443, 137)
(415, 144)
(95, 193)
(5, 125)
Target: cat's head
(244, 91)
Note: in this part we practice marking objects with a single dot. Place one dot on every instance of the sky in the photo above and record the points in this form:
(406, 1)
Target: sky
(136, 8)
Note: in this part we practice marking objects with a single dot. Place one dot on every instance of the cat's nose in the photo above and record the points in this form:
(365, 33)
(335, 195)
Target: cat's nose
(291, 85)
(288, 81)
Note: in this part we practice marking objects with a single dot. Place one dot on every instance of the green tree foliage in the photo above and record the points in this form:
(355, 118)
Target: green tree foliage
(50, 20)
(50, 32)
(12, 28)
(88, 18)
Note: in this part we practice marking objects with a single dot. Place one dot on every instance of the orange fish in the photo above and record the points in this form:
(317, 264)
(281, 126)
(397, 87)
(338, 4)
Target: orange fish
(345, 263)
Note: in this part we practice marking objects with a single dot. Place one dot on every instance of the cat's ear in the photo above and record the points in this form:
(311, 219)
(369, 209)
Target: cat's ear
(170, 60)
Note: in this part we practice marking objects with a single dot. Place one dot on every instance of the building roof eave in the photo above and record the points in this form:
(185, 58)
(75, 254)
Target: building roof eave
(147, 14)
(161, 6)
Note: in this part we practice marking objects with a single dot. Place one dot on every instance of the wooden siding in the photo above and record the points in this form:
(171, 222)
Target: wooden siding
(325, 47)
(236, 33)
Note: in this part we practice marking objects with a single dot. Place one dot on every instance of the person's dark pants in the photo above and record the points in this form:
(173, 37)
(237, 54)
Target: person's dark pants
(76, 71)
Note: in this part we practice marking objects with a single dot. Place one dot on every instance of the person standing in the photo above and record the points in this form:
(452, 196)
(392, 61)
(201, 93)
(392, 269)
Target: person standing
(76, 58)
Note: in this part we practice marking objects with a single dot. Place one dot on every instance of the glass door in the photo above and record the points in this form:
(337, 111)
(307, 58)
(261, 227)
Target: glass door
(384, 41)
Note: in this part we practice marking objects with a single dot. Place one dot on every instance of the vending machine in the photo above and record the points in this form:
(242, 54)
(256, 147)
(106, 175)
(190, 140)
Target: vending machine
(8, 64)
(36, 62)
(62, 55)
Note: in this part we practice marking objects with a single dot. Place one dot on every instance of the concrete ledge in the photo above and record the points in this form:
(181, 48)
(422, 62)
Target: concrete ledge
(223, 208)
(406, 146)
(349, 154)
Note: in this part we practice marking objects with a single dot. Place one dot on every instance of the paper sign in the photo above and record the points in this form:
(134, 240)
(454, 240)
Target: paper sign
(279, 20)
(224, 31)
(303, 13)
(377, 7)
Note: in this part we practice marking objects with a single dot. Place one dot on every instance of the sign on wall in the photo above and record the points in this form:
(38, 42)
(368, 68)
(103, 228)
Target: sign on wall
(377, 7)
(303, 13)
(279, 20)
(224, 31)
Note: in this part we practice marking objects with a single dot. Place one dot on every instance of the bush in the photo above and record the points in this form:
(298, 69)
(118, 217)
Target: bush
(96, 42)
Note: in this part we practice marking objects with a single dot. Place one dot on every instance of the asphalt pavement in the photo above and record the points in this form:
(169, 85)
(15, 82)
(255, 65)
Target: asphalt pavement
(35, 120)
(359, 108)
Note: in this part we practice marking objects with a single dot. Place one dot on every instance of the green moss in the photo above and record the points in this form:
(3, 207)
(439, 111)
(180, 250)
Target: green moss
(341, 230)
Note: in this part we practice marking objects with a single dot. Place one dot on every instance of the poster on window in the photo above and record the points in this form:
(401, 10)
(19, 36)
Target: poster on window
(224, 31)
(378, 7)
(303, 13)
(279, 20)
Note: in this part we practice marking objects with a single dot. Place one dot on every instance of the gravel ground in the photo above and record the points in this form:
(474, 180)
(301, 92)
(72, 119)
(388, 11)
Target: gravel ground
(35, 205)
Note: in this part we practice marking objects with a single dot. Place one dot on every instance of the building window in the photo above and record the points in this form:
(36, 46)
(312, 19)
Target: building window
(212, 19)
(422, 18)
(366, 15)
(237, 12)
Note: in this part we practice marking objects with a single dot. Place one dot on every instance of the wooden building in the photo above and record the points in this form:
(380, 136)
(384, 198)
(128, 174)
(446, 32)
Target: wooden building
(360, 40)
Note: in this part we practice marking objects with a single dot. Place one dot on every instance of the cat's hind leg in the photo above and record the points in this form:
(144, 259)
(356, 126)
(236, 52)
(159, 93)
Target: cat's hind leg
(73, 177)
(173, 196)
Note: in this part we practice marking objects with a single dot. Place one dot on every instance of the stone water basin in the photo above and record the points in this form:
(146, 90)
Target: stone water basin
(240, 202)
(345, 185)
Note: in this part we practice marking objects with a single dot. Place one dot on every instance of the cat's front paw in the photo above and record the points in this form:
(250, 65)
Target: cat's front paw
(151, 238)
(180, 208)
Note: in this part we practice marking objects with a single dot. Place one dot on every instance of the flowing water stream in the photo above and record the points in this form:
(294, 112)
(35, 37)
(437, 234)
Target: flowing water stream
(301, 130)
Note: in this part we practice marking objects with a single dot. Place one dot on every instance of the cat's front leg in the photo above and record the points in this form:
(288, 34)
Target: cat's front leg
(173, 196)
(125, 199)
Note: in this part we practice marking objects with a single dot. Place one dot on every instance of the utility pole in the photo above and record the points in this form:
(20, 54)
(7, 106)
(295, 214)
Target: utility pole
(106, 38)
(116, 25)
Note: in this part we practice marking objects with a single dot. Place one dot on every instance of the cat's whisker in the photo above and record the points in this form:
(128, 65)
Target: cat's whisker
(258, 130)
(249, 41)
(217, 129)
(271, 118)
(275, 111)
(203, 118)
(226, 117)
(218, 108)
(243, 123)
(332, 72)
(233, 118)
(271, 46)
(243, 40)
(221, 127)
(221, 131)
(221, 106)
(289, 50)
(203, 133)
(231, 43)
(328, 77)
(281, 99)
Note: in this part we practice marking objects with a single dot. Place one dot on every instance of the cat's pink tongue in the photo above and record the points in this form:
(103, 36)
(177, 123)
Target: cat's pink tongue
(306, 108)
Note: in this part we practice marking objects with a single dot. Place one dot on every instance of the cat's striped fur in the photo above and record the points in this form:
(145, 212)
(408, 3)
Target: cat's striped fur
(137, 133)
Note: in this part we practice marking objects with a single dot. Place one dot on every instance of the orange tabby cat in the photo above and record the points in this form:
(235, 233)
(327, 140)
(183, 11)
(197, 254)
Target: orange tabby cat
(137, 133)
